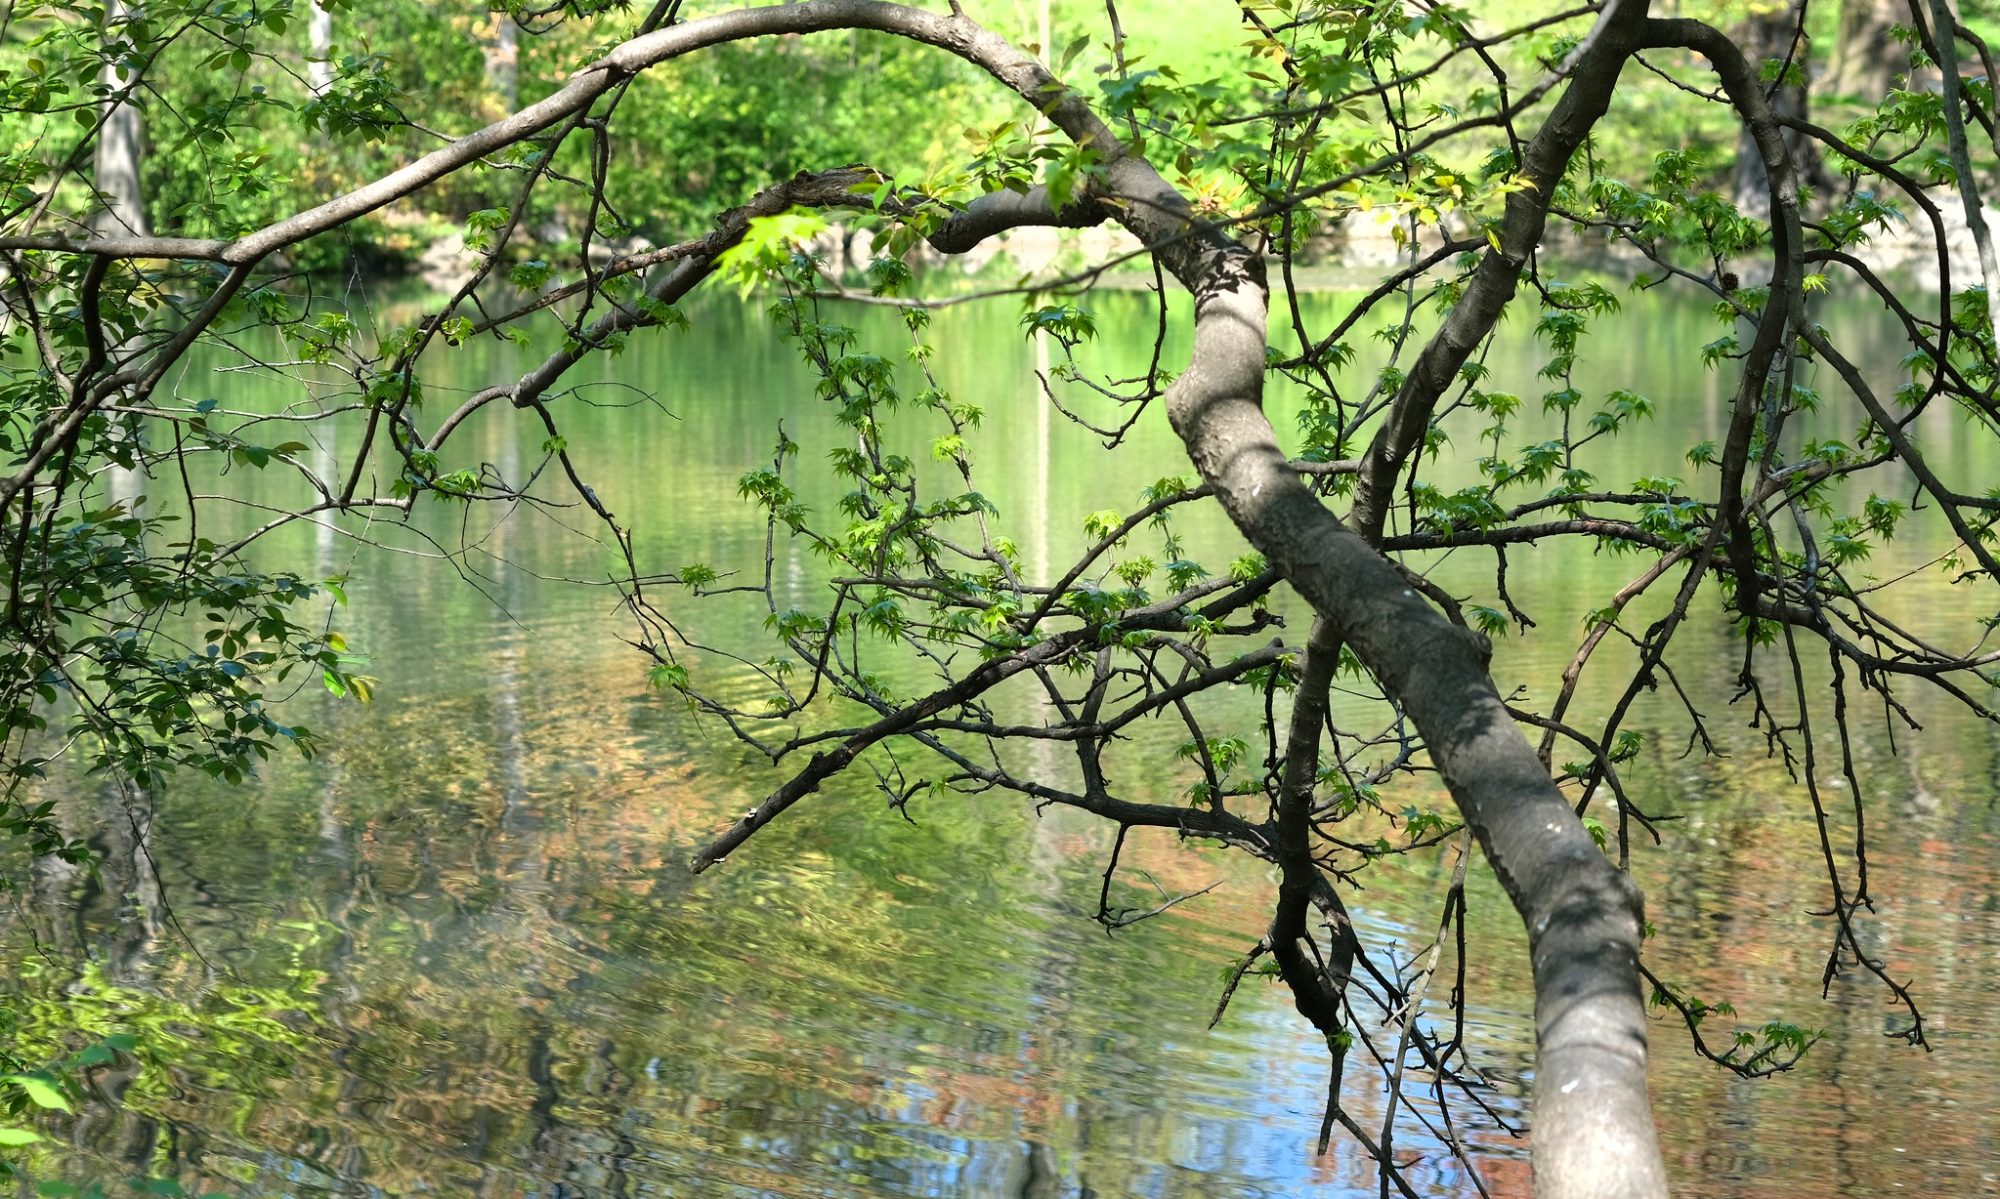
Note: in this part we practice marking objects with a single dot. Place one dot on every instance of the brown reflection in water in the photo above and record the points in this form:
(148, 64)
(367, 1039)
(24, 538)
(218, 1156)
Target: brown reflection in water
(510, 986)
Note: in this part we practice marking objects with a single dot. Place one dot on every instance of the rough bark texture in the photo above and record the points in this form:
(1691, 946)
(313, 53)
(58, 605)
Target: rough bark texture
(1593, 1132)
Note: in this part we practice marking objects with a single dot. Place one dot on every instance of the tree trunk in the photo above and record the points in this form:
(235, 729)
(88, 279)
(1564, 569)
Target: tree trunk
(118, 145)
(503, 61)
(1866, 58)
(1593, 1128)
(1778, 36)
(319, 60)
(1593, 1131)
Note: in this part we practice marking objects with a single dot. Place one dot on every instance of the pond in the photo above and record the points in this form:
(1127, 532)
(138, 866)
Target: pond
(460, 953)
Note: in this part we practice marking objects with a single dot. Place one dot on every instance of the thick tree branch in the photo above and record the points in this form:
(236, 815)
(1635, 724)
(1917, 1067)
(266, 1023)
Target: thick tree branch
(997, 212)
(1593, 1127)
(1594, 67)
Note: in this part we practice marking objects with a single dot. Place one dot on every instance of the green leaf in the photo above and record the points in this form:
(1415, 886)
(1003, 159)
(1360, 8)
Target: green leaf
(42, 1091)
(1070, 52)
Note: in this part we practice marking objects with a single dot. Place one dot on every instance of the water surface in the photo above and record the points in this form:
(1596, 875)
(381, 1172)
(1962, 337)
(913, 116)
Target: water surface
(460, 953)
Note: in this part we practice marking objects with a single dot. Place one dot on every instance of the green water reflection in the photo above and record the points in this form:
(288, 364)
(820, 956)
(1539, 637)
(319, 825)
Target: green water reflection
(502, 980)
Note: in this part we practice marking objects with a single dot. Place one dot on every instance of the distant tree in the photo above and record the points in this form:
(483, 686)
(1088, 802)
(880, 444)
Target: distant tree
(121, 140)
(503, 61)
(1775, 37)
(1470, 139)
(1867, 57)
(319, 58)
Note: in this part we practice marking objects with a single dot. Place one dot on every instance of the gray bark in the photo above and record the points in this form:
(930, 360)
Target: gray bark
(119, 145)
(319, 59)
(1594, 1135)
